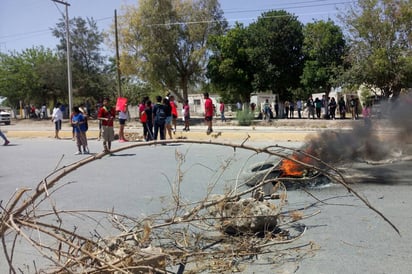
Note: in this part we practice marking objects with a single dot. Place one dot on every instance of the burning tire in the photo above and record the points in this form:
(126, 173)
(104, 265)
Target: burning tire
(257, 172)
(270, 170)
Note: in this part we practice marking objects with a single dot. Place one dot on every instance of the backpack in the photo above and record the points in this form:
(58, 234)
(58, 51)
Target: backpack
(160, 115)
(143, 117)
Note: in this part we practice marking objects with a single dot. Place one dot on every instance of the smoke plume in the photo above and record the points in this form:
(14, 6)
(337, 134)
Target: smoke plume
(386, 137)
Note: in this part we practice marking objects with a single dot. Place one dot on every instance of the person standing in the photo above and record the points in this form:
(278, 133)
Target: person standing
(173, 107)
(208, 112)
(169, 117)
(318, 107)
(352, 103)
(277, 109)
(342, 108)
(43, 112)
(266, 110)
(79, 126)
(142, 115)
(286, 105)
(222, 111)
(311, 107)
(83, 110)
(186, 115)
(148, 133)
(107, 114)
(299, 107)
(57, 117)
(6, 141)
(122, 123)
(366, 114)
(159, 119)
(332, 108)
(292, 109)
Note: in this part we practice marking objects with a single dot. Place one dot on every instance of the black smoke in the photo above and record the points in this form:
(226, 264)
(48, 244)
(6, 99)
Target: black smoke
(386, 137)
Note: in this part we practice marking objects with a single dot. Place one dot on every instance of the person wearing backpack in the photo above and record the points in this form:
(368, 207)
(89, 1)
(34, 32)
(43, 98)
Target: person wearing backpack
(159, 118)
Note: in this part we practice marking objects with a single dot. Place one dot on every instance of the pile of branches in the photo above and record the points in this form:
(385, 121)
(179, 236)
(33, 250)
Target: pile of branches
(217, 234)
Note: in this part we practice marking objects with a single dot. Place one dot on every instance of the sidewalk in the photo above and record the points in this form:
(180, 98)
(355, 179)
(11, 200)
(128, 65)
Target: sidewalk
(277, 130)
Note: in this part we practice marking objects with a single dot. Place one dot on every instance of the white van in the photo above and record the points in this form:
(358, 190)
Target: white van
(5, 116)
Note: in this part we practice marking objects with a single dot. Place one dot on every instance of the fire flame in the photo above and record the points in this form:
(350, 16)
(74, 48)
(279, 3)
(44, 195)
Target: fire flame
(291, 168)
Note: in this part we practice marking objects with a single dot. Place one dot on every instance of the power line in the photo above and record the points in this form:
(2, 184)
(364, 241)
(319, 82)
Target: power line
(296, 5)
(290, 6)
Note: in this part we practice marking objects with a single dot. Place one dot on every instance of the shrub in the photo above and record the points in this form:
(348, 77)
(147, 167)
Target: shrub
(245, 117)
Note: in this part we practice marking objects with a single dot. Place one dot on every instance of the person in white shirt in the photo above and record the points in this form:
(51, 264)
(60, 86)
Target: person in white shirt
(122, 122)
(57, 117)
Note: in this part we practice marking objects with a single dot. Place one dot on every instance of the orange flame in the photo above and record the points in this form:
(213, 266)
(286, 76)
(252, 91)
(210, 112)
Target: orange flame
(290, 168)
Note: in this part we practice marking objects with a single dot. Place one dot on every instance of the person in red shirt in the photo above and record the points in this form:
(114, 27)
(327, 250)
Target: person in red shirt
(106, 115)
(222, 111)
(174, 112)
(208, 112)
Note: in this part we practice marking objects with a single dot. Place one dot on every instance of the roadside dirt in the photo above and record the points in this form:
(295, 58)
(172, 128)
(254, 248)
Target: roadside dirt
(275, 130)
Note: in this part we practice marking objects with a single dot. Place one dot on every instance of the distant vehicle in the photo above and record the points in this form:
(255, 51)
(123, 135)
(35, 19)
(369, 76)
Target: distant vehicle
(5, 116)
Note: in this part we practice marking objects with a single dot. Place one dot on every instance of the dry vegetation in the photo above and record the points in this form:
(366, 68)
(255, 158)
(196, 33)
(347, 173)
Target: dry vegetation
(220, 233)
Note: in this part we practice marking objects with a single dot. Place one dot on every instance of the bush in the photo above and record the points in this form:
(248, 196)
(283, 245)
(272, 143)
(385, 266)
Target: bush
(245, 117)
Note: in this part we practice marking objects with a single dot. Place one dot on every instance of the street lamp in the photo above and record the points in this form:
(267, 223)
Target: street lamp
(69, 68)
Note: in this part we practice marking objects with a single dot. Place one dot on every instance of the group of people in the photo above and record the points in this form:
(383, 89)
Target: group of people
(314, 108)
(160, 119)
(332, 106)
(80, 126)
(78, 120)
(288, 110)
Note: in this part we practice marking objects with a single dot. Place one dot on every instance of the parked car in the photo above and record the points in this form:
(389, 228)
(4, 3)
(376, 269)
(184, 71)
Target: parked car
(5, 117)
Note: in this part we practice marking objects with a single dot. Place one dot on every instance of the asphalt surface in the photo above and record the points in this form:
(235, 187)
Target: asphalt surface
(344, 236)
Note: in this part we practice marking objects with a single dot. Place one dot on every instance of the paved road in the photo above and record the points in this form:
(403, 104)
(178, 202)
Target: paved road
(351, 238)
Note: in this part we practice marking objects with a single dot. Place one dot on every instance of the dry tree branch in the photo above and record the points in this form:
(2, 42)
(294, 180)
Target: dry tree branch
(16, 211)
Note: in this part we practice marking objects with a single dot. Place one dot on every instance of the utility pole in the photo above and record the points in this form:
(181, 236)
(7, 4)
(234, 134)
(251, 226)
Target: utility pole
(117, 57)
(68, 54)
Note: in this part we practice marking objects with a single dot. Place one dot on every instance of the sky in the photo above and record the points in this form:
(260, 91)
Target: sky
(27, 23)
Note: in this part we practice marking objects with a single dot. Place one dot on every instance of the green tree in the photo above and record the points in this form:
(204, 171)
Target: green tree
(275, 51)
(164, 43)
(265, 56)
(229, 69)
(32, 76)
(380, 45)
(91, 77)
(324, 50)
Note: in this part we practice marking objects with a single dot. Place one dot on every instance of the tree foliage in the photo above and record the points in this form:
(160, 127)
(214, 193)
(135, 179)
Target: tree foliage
(265, 56)
(324, 49)
(229, 69)
(34, 76)
(91, 77)
(276, 52)
(164, 43)
(380, 44)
